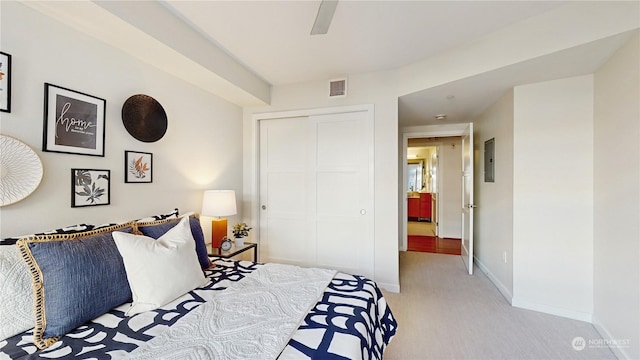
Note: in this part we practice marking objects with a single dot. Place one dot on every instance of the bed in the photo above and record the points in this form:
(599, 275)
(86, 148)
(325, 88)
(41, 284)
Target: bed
(346, 317)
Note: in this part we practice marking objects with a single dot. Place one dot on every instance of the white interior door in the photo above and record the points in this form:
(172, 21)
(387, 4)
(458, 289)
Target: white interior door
(316, 191)
(467, 198)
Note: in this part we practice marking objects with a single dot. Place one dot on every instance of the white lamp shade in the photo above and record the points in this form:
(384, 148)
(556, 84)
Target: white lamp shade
(219, 203)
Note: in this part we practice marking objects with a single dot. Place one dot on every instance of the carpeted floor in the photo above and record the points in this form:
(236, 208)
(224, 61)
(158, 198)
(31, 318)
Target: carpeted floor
(443, 313)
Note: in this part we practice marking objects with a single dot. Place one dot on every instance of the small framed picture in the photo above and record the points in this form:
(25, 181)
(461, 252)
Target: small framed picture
(73, 122)
(138, 167)
(5, 82)
(90, 187)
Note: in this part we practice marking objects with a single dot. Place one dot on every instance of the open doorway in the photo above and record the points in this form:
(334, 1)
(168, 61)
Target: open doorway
(433, 197)
(422, 175)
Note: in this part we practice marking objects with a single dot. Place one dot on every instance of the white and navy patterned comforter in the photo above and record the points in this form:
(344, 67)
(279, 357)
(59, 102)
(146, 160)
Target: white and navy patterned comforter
(350, 321)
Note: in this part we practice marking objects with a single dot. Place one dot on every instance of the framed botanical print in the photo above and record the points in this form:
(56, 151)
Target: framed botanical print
(138, 167)
(90, 187)
(5, 82)
(73, 122)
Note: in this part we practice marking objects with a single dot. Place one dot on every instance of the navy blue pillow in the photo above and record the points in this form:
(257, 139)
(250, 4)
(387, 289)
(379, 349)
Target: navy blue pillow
(76, 280)
(159, 228)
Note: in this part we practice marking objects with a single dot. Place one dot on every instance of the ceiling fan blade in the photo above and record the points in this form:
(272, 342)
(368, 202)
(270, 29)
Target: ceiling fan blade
(325, 15)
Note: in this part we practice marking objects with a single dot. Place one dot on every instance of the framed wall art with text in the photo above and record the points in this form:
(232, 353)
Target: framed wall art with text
(73, 122)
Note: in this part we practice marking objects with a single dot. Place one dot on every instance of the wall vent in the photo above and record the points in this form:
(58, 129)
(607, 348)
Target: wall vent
(338, 88)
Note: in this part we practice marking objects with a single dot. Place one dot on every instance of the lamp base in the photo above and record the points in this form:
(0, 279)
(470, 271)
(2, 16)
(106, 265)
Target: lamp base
(218, 232)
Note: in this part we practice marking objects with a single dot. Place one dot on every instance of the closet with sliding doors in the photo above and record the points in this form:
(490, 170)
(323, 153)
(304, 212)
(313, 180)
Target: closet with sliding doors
(316, 190)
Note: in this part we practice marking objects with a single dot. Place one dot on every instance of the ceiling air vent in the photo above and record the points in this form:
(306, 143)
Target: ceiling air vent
(338, 88)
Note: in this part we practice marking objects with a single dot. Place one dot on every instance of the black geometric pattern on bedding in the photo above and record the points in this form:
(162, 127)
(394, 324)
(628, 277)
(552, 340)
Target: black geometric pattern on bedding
(88, 227)
(72, 229)
(348, 303)
(351, 307)
(113, 335)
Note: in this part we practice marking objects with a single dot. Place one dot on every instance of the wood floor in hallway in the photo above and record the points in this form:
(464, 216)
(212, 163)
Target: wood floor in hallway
(421, 237)
(433, 244)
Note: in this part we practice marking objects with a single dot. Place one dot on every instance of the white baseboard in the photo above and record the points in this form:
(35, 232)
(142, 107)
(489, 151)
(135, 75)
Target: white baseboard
(548, 309)
(619, 352)
(524, 304)
(501, 287)
(394, 288)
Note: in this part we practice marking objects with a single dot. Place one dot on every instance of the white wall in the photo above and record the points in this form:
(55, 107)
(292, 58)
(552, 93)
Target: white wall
(201, 149)
(615, 264)
(450, 218)
(493, 232)
(553, 197)
(617, 200)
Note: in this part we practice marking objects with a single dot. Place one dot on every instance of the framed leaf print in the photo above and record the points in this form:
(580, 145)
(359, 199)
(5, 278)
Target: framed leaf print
(138, 167)
(73, 122)
(90, 187)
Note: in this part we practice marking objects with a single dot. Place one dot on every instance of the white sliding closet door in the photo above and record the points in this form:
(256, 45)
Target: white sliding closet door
(285, 225)
(343, 155)
(318, 211)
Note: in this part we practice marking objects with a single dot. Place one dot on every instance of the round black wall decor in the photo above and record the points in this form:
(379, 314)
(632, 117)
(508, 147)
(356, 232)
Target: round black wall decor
(144, 118)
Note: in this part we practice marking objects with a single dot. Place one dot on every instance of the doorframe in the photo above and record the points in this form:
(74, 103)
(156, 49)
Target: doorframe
(416, 132)
(254, 182)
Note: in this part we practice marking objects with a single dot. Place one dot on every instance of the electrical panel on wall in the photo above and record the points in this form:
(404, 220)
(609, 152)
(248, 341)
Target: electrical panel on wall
(489, 163)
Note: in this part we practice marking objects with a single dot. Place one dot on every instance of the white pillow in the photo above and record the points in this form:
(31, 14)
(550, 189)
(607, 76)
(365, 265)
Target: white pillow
(16, 294)
(159, 270)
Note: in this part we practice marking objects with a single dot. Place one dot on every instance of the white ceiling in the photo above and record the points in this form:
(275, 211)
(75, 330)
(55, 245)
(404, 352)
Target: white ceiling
(273, 37)
(465, 99)
(263, 43)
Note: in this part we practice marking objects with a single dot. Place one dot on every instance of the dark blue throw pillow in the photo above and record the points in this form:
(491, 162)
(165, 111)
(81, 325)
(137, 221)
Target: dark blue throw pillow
(158, 228)
(76, 280)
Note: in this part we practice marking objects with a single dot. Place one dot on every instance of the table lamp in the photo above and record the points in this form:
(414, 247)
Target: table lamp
(218, 203)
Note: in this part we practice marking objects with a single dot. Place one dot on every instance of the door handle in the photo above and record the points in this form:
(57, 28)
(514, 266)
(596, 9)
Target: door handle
(471, 206)
(264, 207)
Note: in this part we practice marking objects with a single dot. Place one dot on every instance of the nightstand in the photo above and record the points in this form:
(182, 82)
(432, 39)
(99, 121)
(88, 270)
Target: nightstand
(235, 250)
